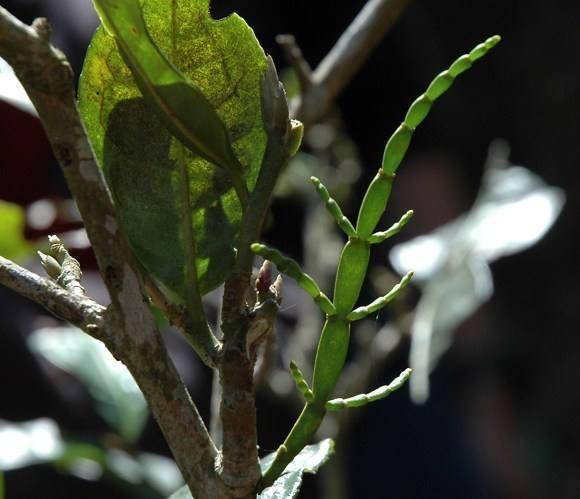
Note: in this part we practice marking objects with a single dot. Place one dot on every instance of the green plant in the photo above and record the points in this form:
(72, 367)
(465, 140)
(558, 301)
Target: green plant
(352, 268)
(190, 129)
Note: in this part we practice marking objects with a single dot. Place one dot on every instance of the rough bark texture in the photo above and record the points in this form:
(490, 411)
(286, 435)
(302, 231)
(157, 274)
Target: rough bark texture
(81, 312)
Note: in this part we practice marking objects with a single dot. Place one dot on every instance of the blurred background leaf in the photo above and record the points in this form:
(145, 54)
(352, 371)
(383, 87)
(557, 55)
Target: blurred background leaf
(514, 209)
(117, 397)
(13, 245)
(12, 91)
(28, 443)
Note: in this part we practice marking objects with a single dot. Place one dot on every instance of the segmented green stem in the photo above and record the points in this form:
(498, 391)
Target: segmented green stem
(350, 275)
(292, 269)
(393, 230)
(333, 208)
(351, 272)
(399, 142)
(377, 195)
(367, 398)
(301, 382)
(374, 203)
(361, 312)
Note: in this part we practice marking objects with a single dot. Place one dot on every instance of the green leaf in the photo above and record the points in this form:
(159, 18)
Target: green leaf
(12, 221)
(117, 396)
(309, 460)
(182, 107)
(211, 69)
(287, 486)
(160, 472)
(143, 469)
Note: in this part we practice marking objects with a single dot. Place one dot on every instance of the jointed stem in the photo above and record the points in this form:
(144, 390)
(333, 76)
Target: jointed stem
(379, 237)
(367, 398)
(333, 208)
(352, 270)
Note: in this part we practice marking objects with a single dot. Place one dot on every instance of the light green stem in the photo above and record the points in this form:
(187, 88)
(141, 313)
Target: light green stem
(333, 208)
(301, 382)
(352, 269)
(292, 269)
(367, 398)
(393, 230)
(361, 312)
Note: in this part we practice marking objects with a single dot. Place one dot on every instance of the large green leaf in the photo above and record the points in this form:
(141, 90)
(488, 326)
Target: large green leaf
(287, 486)
(223, 65)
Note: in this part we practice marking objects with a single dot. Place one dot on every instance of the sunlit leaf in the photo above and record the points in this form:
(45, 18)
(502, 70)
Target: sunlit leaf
(13, 245)
(287, 486)
(309, 460)
(140, 157)
(513, 210)
(181, 106)
(160, 472)
(28, 443)
(117, 396)
(182, 493)
(12, 91)
(449, 298)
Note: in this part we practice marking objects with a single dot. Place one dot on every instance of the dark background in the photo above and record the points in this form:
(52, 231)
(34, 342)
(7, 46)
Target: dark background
(504, 417)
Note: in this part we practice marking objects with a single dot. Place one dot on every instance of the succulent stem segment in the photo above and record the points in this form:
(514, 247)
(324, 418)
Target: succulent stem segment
(367, 398)
(352, 269)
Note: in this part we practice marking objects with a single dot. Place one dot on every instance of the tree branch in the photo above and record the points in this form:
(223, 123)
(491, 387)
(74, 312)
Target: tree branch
(294, 55)
(82, 312)
(130, 331)
(346, 58)
(239, 466)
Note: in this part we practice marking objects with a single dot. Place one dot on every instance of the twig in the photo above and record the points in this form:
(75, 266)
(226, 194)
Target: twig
(346, 58)
(240, 466)
(84, 313)
(130, 329)
(294, 56)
